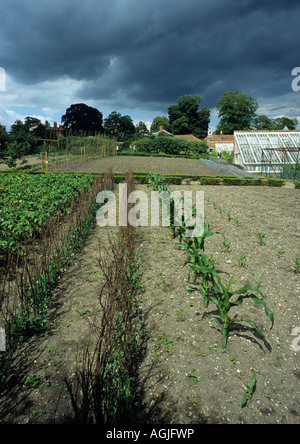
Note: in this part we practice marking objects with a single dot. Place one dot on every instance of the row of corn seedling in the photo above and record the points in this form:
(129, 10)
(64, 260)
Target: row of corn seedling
(206, 279)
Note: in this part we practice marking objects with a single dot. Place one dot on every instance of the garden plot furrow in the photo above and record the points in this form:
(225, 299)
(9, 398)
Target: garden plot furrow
(187, 377)
(91, 309)
(73, 311)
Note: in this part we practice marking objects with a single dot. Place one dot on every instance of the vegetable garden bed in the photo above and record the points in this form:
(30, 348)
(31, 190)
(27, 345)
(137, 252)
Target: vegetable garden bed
(185, 376)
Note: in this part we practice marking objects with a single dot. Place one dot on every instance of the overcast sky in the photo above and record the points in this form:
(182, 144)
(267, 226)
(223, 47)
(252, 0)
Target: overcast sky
(138, 56)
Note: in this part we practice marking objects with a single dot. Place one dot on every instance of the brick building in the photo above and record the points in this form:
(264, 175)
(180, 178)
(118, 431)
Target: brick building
(220, 142)
(55, 131)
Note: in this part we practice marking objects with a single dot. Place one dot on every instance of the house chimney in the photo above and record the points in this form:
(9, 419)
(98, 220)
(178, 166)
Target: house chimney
(160, 129)
(55, 124)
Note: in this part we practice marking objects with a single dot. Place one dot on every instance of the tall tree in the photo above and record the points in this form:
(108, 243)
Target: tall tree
(22, 140)
(160, 121)
(263, 122)
(3, 140)
(199, 126)
(141, 130)
(81, 118)
(181, 125)
(236, 112)
(35, 127)
(187, 118)
(282, 122)
(118, 126)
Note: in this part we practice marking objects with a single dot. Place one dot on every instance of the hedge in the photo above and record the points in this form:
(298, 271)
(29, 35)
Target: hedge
(206, 180)
(275, 182)
(171, 145)
(176, 179)
(245, 181)
(173, 156)
(297, 184)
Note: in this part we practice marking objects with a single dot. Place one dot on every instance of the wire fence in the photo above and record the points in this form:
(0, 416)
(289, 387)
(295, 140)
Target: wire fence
(69, 152)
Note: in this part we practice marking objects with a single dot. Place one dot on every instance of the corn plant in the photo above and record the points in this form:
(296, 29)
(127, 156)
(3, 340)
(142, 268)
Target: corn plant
(176, 217)
(159, 184)
(280, 252)
(250, 390)
(206, 272)
(261, 238)
(242, 261)
(226, 243)
(157, 181)
(194, 249)
(223, 299)
(297, 266)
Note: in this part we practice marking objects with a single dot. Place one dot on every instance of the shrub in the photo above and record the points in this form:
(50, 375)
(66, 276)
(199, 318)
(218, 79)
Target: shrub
(252, 181)
(210, 180)
(175, 180)
(297, 184)
(171, 145)
(276, 182)
(291, 171)
(232, 181)
(173, 156)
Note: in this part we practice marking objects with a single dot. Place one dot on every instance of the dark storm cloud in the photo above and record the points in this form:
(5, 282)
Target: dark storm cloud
(138, 53)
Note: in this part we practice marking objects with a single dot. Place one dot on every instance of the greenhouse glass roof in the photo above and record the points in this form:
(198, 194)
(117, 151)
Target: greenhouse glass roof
(278, 147)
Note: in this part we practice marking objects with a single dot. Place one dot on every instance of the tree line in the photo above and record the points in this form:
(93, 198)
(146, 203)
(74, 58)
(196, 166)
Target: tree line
(23, 139)
(236, 111)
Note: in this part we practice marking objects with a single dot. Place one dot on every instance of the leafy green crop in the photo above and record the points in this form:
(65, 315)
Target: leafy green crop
(27, 201)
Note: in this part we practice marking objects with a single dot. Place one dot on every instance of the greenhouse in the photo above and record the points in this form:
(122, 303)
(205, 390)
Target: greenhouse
(266, 152)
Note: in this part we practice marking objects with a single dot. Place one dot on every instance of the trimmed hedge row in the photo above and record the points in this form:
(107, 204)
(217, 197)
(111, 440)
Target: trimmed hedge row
(174, 156)
(176, 179)
(206, 180)
(297, 184)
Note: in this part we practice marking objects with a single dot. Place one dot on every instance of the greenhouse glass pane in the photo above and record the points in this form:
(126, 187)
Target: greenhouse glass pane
(245, 148)
(274, 145)
(256, 147)
(288, 142)
(264, 140)
(276, 141)
(296, 139)
(295, 156)
(270, 155)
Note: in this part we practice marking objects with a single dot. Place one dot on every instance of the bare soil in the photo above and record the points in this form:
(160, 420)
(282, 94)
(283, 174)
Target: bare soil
(121, 164)
(192, 380)
(29, 161)
(184, 376)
